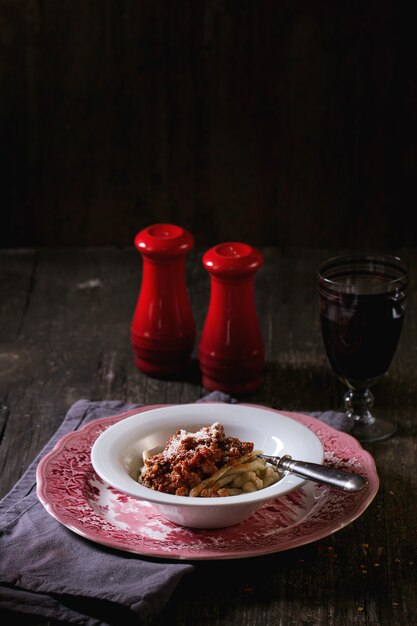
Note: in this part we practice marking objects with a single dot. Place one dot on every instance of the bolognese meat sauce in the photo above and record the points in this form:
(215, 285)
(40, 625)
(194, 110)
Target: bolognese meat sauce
(190, 458)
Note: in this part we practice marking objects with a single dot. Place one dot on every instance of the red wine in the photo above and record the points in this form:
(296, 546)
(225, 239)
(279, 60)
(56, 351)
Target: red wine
(361, 332)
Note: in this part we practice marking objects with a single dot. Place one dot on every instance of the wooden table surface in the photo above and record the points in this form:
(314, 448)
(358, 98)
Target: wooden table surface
(65, 335)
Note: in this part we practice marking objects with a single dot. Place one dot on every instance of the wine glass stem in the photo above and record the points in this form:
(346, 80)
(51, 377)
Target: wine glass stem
(358, 405)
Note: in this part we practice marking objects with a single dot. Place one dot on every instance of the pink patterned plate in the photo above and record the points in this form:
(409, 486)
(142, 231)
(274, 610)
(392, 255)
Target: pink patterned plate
(74, 495)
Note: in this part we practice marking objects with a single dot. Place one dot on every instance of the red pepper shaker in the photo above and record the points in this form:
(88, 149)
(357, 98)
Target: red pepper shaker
(231, 350)
(163, 328)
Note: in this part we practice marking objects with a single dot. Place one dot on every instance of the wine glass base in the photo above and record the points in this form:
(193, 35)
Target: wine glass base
(379, 430)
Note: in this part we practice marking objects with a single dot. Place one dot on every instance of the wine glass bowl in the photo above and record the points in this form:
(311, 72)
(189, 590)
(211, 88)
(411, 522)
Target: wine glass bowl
(362, 305)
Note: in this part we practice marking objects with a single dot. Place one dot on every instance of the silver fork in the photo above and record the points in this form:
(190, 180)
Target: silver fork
(318, 473)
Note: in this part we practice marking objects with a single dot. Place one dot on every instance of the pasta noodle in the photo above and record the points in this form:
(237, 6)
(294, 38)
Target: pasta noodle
(206, 464)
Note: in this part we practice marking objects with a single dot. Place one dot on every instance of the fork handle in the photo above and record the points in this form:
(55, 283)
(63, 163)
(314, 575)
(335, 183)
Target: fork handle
(323, 474)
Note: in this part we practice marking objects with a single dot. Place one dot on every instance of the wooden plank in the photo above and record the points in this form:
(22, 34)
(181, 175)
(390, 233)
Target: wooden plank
(278, 123)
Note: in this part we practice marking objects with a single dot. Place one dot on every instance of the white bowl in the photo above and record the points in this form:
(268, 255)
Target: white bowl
(117, 456)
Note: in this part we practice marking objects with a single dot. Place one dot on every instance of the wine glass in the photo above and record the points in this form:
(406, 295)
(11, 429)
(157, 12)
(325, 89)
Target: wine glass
(362, 305)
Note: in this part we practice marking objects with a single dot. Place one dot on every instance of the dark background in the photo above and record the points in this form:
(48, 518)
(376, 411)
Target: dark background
(284, 122)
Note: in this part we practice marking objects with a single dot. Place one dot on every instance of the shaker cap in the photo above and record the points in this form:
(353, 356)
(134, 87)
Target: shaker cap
(164, 240)
(232, 258)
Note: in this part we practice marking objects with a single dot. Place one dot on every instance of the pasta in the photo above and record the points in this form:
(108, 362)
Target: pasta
(206, 463)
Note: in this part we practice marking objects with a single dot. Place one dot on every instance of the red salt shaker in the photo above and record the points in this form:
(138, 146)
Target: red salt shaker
(231, 350)
(163, 329)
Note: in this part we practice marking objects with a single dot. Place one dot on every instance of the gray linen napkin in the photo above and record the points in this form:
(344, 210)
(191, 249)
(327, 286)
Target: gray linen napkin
(47, 570)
